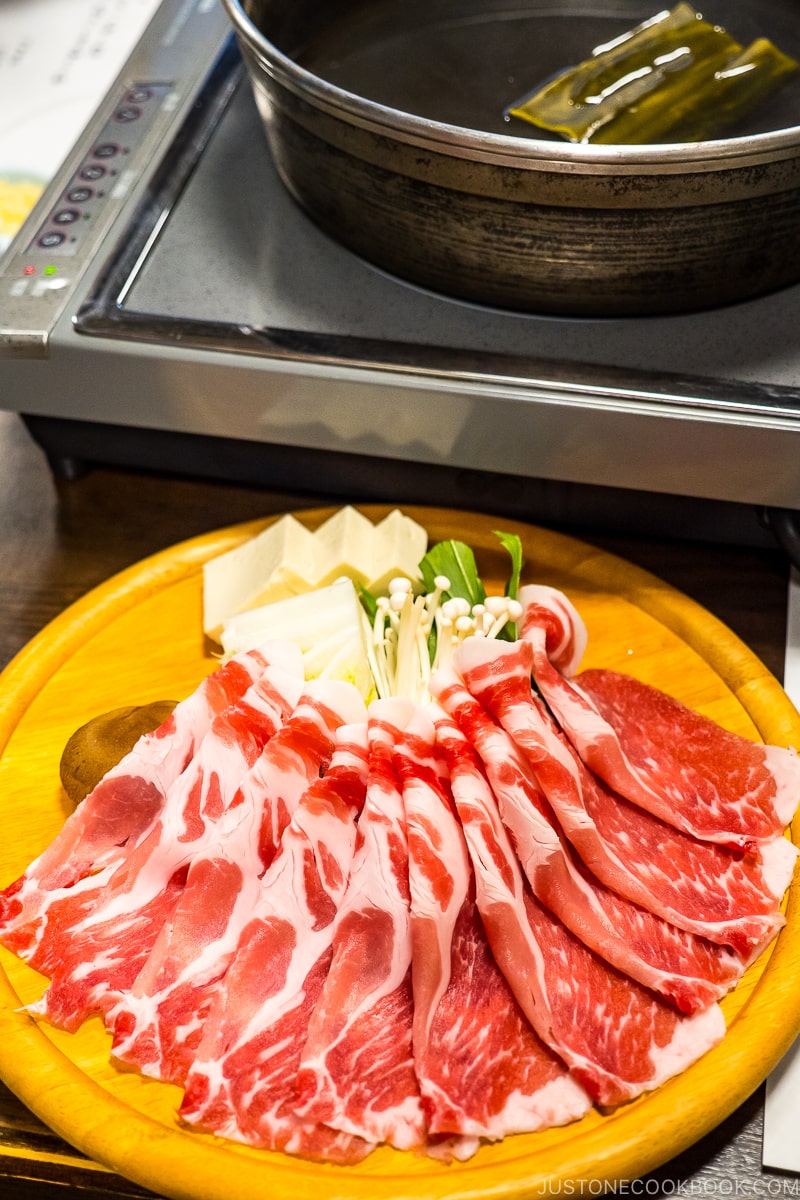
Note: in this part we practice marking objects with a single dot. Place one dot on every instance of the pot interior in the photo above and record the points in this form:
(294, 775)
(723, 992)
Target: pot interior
(462, 62)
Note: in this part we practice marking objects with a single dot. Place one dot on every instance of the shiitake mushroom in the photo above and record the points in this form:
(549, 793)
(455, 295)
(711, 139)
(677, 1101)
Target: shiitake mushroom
(97, 746)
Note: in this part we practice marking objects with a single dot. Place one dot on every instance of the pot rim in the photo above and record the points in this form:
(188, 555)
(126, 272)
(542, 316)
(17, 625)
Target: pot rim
(532, 153)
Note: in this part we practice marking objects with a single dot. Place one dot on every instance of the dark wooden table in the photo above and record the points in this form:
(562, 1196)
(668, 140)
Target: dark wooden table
(59, 538)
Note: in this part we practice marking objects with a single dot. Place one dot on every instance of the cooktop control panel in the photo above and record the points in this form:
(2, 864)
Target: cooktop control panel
(104, 176)
(109, 165)
(40, 276)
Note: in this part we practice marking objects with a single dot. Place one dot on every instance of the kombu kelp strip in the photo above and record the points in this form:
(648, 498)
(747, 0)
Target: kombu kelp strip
(675, 75)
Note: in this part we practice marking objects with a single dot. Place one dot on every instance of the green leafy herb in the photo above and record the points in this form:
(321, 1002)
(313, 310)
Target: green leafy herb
(513, 544)
(454, 561)
(369, 602)
(413, 632)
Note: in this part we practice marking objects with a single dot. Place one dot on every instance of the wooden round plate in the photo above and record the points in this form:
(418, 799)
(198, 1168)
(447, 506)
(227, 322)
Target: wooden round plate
(138, 638)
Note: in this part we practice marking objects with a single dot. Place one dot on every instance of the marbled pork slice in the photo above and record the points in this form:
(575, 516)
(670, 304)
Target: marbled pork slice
(617, 1038)
(98, 934)
(124, 807)
(675, 763)
(702, 887)
(565, 634)
(357, 1068)
(483, 1072)
(687, 969)
(439, 886)
(242, 1081)
(158, 1023)
(684, 753)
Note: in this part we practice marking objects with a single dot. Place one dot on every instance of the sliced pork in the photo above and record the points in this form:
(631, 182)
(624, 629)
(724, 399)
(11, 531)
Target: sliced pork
(671, 761)
(357, 1068)
(616, 1037)
(729, 781)
(426, 926)
(125, 806)
(98, 934)
(242, 1081)
(702, 887)
(482, 1071)
(439, 885)
(565, 634)
(680, 965)
(159, 1021)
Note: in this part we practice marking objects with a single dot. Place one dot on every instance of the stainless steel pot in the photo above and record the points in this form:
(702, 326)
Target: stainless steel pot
(384, 118)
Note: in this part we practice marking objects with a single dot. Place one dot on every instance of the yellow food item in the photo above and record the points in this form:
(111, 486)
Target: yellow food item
(17, 198)
(97, 746)
(675, 75)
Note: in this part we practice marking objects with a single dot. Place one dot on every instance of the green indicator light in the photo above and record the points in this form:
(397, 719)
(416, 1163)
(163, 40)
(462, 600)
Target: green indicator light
(51, 270)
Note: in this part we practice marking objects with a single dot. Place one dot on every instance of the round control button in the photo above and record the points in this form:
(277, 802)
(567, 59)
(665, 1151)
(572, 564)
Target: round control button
(106, 150)
(138, 95)
(127, 113)
(79, 195)
(92, 171)
(66, 216)
(50, 239)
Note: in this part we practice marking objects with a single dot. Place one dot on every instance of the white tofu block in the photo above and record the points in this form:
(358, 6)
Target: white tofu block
(280, 561)
(344, 547)
(399, 545)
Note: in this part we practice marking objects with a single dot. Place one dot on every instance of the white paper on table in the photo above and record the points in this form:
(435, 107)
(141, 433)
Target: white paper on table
(781, 1149)
(58, 58)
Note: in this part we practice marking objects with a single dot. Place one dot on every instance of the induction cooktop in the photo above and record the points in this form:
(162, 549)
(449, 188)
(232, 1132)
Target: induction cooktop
(190, 302)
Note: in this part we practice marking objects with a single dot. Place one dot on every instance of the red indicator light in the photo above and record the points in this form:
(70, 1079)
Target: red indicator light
(29, 270)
